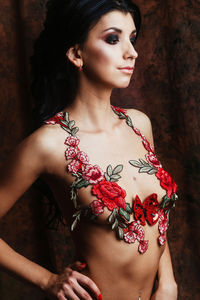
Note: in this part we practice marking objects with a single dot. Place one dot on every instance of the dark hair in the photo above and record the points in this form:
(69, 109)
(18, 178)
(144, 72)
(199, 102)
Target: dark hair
(53, 77)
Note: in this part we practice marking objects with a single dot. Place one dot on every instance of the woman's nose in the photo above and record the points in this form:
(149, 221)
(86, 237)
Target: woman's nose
(130, 52)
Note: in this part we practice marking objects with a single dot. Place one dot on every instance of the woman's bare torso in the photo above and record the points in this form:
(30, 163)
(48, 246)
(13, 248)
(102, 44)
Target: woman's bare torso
(118, 269)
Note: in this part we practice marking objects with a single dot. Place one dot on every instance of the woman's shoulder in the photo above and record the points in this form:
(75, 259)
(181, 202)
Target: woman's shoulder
(142, 122)
(42, 142)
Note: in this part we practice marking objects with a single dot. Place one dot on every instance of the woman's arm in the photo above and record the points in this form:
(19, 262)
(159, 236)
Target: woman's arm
(17, 174)
(29, 160)
(167, 287)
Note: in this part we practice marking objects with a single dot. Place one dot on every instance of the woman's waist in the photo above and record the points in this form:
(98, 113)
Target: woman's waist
(98, 240)
(116, 283)
(103, 251)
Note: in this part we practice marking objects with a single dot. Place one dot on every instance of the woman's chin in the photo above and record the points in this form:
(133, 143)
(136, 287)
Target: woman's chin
(123, 85)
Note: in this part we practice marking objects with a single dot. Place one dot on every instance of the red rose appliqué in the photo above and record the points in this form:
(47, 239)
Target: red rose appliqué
(111, 194)
(93, 174)
(167, 182)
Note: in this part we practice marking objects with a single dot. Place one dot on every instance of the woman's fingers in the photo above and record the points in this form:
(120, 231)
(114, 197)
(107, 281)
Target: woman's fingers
(87, 282)
(71, 284)
(61, 296)
(75, 289)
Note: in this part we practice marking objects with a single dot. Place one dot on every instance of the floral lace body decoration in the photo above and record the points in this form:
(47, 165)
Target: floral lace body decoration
(109, 194)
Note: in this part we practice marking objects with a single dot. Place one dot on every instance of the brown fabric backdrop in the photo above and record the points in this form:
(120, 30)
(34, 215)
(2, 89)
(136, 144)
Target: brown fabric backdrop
(165, 86)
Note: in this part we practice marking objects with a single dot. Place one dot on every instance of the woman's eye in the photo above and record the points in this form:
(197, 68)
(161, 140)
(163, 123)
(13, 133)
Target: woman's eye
(112, 39)
(133, 40)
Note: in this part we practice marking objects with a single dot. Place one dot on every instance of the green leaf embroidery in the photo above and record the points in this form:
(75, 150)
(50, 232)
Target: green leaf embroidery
(64, 123)
(74, 197)
(113, 180)
(66, 129)
(71, 124)
(122, 224)
(75, 182)
(66, 116)
(165, 201)
(107, 177)
(117, 169)
(77, 213)
(115, 224)
(112, 216)
(128, 208)
(116, 177)
(135, 163)
(124, 214)
(152, 171)
(174, 197)
(120, 233)
(74, 224)
(121, 116)
(129, 122)
(82, 183)
(145, 169)
(74, 131)
(143, 162)
(109, 170)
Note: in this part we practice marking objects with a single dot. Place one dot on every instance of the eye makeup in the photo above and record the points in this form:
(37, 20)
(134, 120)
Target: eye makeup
(114, 38)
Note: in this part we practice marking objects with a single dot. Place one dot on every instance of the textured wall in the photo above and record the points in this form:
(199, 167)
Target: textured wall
(165, 86)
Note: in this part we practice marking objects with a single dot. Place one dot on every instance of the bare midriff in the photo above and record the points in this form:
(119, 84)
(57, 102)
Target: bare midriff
(118, 269)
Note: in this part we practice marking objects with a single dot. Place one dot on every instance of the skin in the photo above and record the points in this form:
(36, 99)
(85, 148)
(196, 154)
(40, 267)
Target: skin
(114, 268)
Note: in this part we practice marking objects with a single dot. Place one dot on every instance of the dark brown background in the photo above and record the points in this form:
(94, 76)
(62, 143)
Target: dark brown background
(165, 86)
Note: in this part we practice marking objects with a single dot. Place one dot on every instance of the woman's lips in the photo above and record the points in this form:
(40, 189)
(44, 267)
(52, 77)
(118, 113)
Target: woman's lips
(128, 70)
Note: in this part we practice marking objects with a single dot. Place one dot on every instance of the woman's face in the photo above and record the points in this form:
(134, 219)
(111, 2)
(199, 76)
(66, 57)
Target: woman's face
(108, 54)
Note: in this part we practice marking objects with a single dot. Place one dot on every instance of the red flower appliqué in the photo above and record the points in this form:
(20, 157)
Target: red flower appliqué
(136, 232)
(163, 223)
(146, 211)
(72, 141)
(97, 207)
(166, 182)
(82, 156)
(93, 174)
(143, 246)
(130, 237)
(54, 120)
(162, 239)
(111, 194)
(70, 153)
(137, 229)
(119, 110)
(74, 166)
(152, 159)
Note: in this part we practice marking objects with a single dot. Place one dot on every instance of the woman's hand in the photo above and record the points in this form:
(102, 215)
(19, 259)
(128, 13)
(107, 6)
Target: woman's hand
(69, 284)
(165, 293)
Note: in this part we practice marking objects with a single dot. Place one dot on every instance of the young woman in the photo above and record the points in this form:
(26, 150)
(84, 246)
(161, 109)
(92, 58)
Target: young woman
(98, 159)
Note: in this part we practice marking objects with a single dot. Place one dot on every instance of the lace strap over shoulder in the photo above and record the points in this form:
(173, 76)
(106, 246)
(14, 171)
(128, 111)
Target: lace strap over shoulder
(122, 113)
(55, 119)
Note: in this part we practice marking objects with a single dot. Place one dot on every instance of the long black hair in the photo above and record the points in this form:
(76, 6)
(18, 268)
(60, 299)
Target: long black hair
(54, 78)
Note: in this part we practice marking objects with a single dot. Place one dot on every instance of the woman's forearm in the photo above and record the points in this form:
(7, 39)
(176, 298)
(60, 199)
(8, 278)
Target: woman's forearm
(23, 268)
(165, 270)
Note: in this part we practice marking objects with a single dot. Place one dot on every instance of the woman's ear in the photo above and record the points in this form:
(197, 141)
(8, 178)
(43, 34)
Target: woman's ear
(74, 55)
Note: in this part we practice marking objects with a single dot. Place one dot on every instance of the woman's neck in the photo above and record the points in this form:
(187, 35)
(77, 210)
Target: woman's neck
(92, 110)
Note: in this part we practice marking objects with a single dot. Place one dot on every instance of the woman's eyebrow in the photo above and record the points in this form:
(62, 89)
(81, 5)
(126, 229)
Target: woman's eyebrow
(118, 30)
